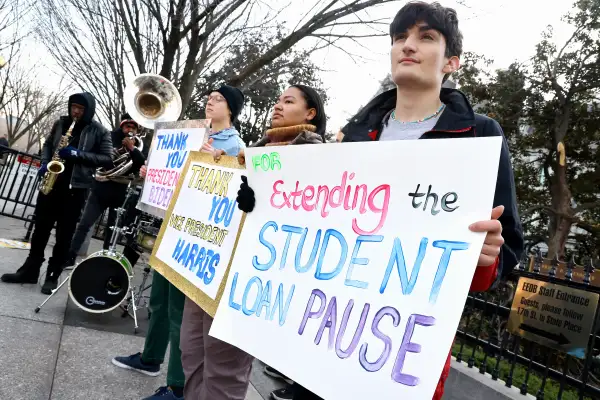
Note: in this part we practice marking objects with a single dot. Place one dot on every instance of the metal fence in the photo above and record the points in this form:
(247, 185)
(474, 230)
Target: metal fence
(484, 342)
(18, 183)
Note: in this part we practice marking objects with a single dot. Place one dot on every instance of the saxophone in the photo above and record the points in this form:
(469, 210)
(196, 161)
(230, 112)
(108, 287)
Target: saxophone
(57, 165)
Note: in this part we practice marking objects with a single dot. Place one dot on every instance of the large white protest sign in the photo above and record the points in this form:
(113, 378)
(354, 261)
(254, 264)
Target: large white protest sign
(351, 274)
(170, 147)
(197, 238)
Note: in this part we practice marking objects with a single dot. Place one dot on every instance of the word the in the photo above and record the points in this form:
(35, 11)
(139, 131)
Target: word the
(210, 180)
(172, 142)
(164, 177)
(396, 259)
(343, 195)
(266, 162)
(161, 196)
(262, 299)
(447, 199)
(199, 260)
(328, 311)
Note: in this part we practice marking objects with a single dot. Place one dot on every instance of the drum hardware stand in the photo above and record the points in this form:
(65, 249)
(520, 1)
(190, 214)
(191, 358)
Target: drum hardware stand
(117, 232)
(140, 298)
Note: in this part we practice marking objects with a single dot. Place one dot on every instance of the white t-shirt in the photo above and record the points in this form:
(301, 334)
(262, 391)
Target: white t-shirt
(395, 130)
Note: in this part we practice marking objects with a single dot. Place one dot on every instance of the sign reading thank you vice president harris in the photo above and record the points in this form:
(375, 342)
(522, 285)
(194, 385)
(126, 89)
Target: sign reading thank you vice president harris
(198, 236)
(351, 274)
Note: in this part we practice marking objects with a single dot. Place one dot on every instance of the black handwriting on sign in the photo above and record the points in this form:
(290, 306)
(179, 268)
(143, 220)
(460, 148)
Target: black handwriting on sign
(447, 200)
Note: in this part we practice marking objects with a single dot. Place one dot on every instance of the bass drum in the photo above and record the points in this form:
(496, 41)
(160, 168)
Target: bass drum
(100, 283)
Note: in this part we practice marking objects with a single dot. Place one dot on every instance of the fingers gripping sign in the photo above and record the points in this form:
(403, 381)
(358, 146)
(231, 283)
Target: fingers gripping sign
(493, 239)
(208, 148)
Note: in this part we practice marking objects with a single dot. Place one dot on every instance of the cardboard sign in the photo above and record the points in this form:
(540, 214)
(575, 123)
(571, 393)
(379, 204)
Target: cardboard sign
(197, 238)
(351, 273)
(171, 145)
(554, 315)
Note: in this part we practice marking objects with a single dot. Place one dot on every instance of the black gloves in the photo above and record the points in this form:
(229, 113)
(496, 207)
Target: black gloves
(245, 198)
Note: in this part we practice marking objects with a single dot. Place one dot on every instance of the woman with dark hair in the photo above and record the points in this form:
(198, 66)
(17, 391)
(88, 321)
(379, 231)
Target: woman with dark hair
(298, 118)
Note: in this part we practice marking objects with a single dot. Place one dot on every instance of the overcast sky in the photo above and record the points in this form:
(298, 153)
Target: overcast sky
(503, 30)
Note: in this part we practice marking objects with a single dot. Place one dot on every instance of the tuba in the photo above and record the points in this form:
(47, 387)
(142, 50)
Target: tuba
(148, 99)
(151, 98)
(122, 163)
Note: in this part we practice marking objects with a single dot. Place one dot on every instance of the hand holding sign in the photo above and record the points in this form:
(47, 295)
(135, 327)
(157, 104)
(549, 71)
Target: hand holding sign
(493, 240)
(208, 148)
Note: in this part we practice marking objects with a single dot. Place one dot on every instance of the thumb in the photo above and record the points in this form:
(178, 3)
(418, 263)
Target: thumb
(210, 141)
(497, 212)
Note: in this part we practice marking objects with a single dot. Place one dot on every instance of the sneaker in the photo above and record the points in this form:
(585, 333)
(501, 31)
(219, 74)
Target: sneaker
(283, 394)
(134, 362)
(163, 393)
(273, 373)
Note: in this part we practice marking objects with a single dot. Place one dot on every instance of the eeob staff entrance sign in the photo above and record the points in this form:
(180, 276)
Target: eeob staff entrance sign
(554, 315)
(351, 274)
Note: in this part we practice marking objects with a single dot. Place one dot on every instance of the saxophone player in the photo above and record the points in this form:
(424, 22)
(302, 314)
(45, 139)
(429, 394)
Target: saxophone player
(111, 193)
(81, 145)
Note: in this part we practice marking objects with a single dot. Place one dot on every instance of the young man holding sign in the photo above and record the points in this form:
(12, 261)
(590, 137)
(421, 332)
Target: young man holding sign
(426, 46)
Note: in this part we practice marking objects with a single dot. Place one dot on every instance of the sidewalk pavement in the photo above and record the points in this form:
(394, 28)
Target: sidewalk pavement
(63, 352)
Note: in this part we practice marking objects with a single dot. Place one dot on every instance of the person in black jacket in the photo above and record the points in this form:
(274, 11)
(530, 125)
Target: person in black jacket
(89, 148)
(111, 193)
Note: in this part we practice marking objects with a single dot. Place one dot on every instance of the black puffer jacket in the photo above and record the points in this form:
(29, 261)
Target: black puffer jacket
(457, 121)
(95, 145)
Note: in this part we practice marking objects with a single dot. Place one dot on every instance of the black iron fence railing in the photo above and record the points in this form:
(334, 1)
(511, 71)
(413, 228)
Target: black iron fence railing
(18, 183)
(484, 342)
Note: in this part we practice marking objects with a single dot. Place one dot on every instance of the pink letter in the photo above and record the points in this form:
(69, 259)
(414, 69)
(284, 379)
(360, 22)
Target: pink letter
(276, 192)
(383, 210)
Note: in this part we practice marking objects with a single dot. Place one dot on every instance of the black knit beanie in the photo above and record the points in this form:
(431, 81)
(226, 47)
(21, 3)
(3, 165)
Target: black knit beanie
(234, 98)
(126, 119)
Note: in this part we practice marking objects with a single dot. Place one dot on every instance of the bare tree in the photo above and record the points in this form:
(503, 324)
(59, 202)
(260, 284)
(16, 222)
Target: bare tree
(179, 39)
(40, 131)
(11, 13)
(29, 106)
(86, 39)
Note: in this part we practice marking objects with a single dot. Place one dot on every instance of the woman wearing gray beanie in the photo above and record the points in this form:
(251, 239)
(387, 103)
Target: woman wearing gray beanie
(215, 370)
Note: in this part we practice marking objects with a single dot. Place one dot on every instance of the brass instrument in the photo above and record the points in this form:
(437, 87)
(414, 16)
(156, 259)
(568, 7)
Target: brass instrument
(151, 98)
(148, 99)
(57, 165)
(122, 163)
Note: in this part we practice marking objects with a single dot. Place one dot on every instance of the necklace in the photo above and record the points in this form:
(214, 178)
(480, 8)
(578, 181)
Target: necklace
(435, 114)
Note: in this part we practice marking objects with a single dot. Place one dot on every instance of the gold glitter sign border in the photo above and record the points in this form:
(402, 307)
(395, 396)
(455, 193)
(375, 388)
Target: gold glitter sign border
(194, 293)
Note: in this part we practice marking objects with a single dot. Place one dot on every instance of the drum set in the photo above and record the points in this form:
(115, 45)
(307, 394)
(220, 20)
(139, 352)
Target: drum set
(104, 281)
